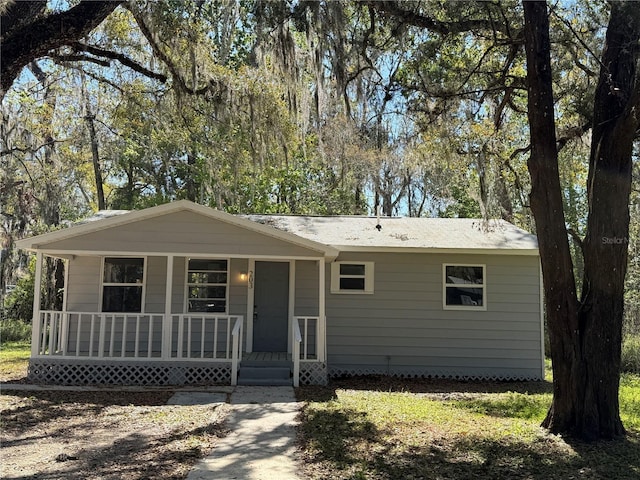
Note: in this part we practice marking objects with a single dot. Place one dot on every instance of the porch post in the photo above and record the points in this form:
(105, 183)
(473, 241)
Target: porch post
(167, 322)
(250, 302)
(35, 322)
(292, 304)
(322, 320)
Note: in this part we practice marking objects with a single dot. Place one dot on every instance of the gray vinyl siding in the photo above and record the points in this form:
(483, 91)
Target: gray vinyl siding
(306, 299)
(178, 288)
(155, 285)
(83, 284)
(306, 302)
(403, 329)
(182, 232)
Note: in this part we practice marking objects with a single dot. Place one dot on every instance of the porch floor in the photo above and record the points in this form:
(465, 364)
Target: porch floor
(270, 357)
(266, 357)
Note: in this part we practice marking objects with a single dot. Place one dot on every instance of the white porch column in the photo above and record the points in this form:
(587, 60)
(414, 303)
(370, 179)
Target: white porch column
(35, 322)
(250, 302)
(322, 319)
(167, 322)
(292, 303)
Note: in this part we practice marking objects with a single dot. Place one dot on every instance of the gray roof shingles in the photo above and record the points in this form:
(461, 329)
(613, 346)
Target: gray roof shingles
(403, 232)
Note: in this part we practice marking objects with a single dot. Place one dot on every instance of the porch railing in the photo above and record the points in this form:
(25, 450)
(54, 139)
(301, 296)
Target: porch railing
(309, 336)
(138, 336)
(204, 336)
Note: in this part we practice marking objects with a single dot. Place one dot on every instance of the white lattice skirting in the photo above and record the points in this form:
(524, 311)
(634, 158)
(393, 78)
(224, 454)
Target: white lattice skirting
(313, 373)
(351, 371)
(92, 372)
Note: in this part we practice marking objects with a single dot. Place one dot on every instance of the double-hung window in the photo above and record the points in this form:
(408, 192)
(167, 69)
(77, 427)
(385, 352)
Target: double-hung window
(122, 284)
(352, 277)
(207, 282)
(464, 287)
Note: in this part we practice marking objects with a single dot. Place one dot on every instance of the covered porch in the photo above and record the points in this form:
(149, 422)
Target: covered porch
(178, 294)
(214, 344)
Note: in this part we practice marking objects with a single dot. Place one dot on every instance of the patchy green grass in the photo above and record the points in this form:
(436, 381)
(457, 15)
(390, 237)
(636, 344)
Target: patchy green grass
(14, 360)
(630, 401)
(454, 431)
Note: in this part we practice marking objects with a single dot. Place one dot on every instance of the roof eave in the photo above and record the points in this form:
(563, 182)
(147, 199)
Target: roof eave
(470, 251)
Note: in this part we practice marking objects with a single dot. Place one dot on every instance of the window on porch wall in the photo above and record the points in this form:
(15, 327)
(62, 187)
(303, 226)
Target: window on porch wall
(122, 282)
(207, 281)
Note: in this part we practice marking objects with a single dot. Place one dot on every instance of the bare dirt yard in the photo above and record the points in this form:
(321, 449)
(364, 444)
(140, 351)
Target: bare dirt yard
(103, 435)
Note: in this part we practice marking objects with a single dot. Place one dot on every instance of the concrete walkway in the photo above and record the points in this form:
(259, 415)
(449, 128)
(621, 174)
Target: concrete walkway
(261, 440)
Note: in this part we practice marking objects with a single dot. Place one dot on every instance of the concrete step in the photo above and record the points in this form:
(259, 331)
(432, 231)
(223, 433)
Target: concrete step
(265, 372)
(267, 382)
(264, 375)
(266, 363)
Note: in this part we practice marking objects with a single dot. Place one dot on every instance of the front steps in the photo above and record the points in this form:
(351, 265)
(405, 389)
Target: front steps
(260, 372)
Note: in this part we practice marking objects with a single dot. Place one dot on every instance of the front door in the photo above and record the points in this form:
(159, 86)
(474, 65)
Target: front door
(271, 307)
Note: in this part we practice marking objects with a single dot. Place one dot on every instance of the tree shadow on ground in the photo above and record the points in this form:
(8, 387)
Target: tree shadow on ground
(345, 445)
(137, 456)
(46, 406)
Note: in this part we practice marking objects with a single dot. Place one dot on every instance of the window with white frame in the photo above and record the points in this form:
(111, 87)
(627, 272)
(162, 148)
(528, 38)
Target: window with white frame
(207, 281)
(352, 277)
(464, 287)
(122, 284)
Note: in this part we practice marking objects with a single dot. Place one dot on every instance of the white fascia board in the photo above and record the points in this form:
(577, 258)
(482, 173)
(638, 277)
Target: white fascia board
(122, 253)
(458, 251)
(37, 242)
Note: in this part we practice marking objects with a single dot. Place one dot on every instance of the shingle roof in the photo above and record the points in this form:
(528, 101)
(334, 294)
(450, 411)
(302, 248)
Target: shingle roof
(399, 232)
(355, 233)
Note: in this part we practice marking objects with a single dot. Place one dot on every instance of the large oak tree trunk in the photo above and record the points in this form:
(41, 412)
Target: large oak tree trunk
(585, 336)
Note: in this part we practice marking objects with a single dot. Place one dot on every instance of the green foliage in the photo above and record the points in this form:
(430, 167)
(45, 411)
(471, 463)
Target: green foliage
(14, 331)
(630, 361)
(19, 303)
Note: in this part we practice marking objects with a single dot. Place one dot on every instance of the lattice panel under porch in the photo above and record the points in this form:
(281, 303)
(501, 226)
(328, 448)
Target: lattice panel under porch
(313, 373)
(69, 372)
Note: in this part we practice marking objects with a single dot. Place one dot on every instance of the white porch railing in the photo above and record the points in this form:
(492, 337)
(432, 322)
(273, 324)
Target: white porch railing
(305, 338)
(138, 336)
(204, 336)
(308, 328)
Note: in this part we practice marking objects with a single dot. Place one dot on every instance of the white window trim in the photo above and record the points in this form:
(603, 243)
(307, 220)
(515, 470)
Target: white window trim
(473, 308)
(185, 307)
(368, 278)
(108, 284)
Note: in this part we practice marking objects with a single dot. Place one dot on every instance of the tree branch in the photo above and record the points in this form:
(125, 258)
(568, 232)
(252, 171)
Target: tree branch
(123, 59)
(175, 74)
(81, 58)
(34, 39)
(393, 9)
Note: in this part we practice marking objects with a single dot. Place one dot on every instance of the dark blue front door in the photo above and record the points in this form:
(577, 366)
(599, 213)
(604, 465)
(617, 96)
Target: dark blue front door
(271, 310)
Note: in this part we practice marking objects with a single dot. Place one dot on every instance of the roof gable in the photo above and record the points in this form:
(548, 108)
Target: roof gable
(112, 220)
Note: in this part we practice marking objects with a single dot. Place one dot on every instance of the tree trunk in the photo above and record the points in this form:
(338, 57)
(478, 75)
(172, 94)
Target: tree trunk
(606, 243)
(97, 170)
(585, 338)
